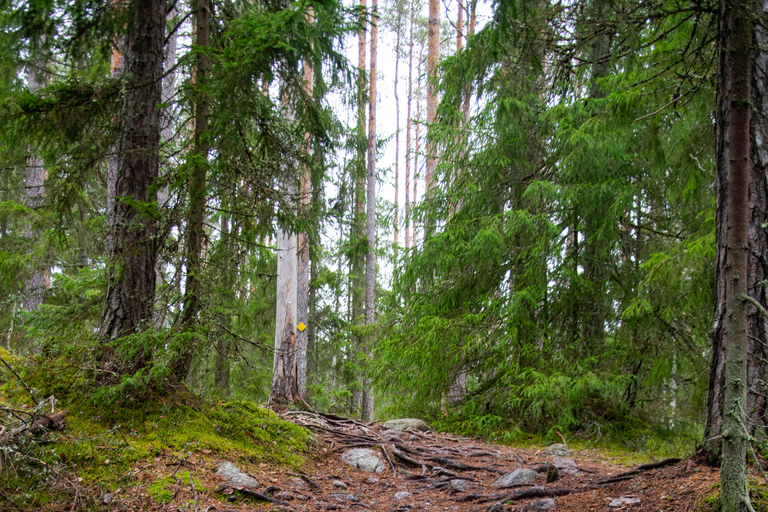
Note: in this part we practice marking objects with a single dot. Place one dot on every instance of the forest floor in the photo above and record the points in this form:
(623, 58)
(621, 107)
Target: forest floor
(439, 472)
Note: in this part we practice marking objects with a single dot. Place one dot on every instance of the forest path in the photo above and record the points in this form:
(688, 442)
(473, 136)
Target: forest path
(434, 472)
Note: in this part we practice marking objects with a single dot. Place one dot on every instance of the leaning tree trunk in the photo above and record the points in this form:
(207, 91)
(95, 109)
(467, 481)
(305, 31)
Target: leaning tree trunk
(728, 384)
(370, 232)
(132, 230)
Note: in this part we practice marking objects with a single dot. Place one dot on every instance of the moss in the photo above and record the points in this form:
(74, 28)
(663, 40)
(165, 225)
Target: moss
(103, 446)
(162, 490)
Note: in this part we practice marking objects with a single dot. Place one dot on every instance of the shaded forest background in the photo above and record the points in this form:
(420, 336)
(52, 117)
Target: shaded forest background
(552, 271)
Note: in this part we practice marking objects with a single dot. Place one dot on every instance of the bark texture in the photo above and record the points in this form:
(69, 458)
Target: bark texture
(34, 184)
(732, 226)
(132, 225)
(757, 262)
(370, 232)
(305, 197)
(433, 57)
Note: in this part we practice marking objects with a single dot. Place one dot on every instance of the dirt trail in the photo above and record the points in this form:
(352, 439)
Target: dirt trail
(449, 473)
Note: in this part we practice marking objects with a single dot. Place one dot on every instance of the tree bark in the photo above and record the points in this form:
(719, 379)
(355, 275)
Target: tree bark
(408, 124)
(370, 235)
(285, 386)
(305, 194)
(732, 227)
(433, 58)
(34, 185)
(398, 28)
(132, 228)
(358, 256)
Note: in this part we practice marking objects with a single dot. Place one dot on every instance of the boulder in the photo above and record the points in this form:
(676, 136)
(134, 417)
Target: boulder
(622, 502)
(364, 459)
(566, 465)
(235, 476)
(461, 485)
(520, 476)
(545, 504)
(559, 450)
(407, 424)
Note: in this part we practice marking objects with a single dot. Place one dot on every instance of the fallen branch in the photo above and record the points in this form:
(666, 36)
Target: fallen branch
(639, 469)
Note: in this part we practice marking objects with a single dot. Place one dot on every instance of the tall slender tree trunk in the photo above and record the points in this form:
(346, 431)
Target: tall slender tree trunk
(409, 123)
(433, 58)
(370, 234)
(398, 27)
(34, 187)
(305, 195)
(417, 136)
(221, 365)
(197, 197)
(132, 253)
(358, 256)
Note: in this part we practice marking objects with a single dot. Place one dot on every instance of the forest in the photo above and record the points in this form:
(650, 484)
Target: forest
(535, 221)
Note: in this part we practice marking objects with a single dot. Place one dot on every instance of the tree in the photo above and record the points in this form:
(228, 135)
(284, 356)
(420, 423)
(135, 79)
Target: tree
(433, 57)
(197, 194)
(732, 218)
(131, 221)
(370, 232)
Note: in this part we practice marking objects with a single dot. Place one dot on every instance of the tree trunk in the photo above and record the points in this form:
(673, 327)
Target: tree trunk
(398, 27)
(34, 185)
(285, 386)
(305, 193)
(358, 256)
(730, 335)
(408, 124)
(197, 198)
(132, 254)
(370, 234)
(433, 58)
(221, 368)
(416, 152)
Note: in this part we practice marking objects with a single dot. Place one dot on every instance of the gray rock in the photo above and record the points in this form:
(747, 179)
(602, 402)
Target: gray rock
(402, 495)
(299, 483)
(235, 476)
(620, 502)
(372, 480)
(496, 507)
(559, 449)
(461, 485)
(406, 424)
(107, 498)
(284, 496)
(344, 497)
(545, 504)
(520, 476)
(364, 459)
(340, 485)
(392, 435)
(565, 465)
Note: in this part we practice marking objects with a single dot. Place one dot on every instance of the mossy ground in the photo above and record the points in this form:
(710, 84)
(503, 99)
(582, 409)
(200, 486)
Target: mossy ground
(146, 452)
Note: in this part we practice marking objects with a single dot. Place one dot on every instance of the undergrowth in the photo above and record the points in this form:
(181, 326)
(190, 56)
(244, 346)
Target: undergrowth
(103, 449)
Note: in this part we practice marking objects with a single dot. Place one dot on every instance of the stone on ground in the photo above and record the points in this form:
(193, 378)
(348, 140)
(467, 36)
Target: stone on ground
(520, 476)
(461, 485)
(299, 483)
(340, 484)
(406, 424)
(621, 502)
(364, 459)
(235, 476)
(559, 449)
(566, 465)
(402, 495)
(545, 504)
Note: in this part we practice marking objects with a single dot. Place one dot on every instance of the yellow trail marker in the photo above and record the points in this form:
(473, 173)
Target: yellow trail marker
(301, 327)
